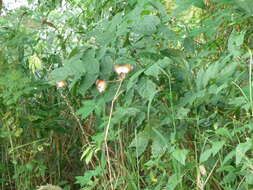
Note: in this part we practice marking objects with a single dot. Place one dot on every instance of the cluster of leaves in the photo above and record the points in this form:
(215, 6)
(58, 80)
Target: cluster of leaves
(182, 118)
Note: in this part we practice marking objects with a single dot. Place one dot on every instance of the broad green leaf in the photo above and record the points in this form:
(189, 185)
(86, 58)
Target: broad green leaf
(174, 180)
(235, 41)
(146, 25)
(87, 82)
(86, 178)
(189, 45)
(205, 155)
(159, 142)
(247, 5)
(124, 113)
(87, 108)
(216, 146)
(106, 66)
(249, 178)
(133, 79)
(180, 155)
(146, 88)
(153, 70)
(140, 142)
(228, 157)
(106, 37)
(210, 73)
(89, 157)
(72, 67)
(223, 132)
(183, 5)
(91, 63)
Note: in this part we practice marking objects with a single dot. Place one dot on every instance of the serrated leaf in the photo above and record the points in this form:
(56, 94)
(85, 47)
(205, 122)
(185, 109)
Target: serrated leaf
(134, 78)
(91, 63)
(216, 146)
(72, 67)
(106, 66)
(146, 25)
(235, 41)
(124, 113)
(228, 157)
(159, 143)
(153, 70)
(241, 150)
(146, 88)
(180, 155)
(87, 82)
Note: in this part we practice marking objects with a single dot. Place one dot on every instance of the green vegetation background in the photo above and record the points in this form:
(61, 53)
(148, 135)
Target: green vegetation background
(181, 119)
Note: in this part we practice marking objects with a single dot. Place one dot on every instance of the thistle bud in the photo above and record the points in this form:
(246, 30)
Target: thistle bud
(101, 85)
(122, 70)
(61, 84)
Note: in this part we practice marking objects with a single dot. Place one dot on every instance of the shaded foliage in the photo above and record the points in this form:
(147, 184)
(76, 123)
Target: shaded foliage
(181, 118)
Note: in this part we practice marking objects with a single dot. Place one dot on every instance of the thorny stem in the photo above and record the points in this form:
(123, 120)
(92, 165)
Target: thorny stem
(107, 132)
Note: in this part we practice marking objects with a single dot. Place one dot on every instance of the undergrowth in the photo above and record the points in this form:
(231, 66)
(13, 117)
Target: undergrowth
(147, 94)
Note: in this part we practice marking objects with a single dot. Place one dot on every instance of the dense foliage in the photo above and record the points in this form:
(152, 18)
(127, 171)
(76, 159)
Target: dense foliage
(181, 118)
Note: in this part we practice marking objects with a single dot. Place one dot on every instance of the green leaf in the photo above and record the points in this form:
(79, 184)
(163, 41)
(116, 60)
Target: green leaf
(91, 63)
(87, 82)
(205, 155)
(235, 41)
(86, 178)
(146, 88)
(183, 5)
(87, 108)
(140, 142)
(216, 146)
(134, 79)
(71, 67)
(153, 70)
(146, 25)
(159, 142)
(228, 157)
(247, 5)
(180, 155)
(173, 181)
(35, 63)
(189, 45)
(241, 150)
